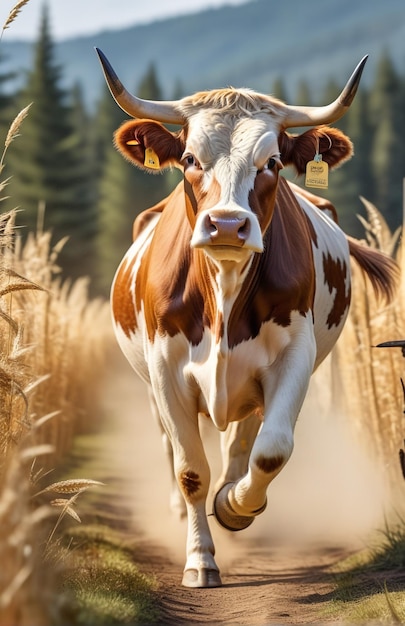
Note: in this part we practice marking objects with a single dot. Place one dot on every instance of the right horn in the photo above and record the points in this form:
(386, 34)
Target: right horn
(136, 107)
(314, 116)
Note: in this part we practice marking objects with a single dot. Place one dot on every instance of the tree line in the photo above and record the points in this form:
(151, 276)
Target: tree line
(65, 160)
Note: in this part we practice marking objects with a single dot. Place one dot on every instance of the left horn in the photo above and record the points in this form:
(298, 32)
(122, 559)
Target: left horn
(136, 107)
(314, 116)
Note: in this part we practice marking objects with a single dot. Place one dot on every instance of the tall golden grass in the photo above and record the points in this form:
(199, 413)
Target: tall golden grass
(52, 347)
(15, 10)
(369, 378)
(53, 341)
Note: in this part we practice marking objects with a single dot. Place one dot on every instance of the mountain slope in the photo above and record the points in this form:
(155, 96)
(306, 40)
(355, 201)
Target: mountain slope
(247, 45)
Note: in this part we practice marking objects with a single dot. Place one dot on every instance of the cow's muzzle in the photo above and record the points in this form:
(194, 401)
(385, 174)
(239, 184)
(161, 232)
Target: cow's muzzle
(219, 228)
(233, 231)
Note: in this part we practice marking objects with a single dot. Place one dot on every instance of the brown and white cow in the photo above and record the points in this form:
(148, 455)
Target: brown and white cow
(235, 289)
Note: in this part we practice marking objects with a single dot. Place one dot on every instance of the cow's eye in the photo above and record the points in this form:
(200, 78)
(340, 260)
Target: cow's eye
(271, 163)
(189, 159)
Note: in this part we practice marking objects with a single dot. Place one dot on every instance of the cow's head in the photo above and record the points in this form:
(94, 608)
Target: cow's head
(231, 147)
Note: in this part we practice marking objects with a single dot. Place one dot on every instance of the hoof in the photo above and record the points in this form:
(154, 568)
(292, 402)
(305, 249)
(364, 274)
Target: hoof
(225, 514)
(201, 578)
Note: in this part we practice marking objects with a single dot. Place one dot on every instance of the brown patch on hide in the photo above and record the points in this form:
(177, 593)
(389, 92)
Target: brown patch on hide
(122, 303)
(335, 277)
(219, 331)
(268, 465)
(190, 482)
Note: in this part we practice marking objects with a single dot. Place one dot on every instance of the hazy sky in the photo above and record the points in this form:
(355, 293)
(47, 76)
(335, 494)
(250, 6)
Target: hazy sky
(79, 17)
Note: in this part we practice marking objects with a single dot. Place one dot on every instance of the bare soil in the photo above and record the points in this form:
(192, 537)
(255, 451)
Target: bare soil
(262, 586)
(323, 506)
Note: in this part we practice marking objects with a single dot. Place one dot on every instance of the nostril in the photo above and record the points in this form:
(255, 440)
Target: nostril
(210, 226)
(212, 229)
(244, 230)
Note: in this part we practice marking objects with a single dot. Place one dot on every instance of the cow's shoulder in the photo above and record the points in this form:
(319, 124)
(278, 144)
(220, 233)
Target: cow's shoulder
(145, 217)
(171, 286)
(323, 204)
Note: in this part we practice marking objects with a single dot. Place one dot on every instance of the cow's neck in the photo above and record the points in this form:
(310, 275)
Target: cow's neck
(229, 278)
(223, 282)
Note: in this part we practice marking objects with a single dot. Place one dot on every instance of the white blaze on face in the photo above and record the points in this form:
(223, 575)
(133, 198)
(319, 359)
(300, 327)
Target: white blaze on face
(230, 149)
(265, 148)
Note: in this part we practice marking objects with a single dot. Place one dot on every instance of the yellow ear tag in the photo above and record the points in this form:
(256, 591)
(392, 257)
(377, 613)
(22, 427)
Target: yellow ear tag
(133, 142)
(317, 173)
(151, 159)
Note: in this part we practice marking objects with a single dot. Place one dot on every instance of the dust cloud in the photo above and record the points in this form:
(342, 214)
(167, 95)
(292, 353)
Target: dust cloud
(329, 493)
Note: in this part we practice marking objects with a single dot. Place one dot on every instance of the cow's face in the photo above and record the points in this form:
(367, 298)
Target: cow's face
(231, 161)
(231, 166)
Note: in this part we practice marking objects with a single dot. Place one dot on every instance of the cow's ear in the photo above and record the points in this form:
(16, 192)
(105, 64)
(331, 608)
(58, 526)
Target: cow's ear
(149, 145)
(331, 143)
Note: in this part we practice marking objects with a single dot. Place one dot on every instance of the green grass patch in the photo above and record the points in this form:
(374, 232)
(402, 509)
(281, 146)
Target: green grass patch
(370, 585)
(102, 583)
(378, 608)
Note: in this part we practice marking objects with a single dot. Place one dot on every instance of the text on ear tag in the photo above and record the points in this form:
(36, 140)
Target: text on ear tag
(316, 174)
(151, 159)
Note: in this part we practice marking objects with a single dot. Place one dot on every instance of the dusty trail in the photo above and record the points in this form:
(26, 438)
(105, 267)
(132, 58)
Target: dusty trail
(323, 505)
(262, 586)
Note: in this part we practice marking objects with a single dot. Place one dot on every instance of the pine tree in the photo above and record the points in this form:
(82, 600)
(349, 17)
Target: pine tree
(112, 184)
(385, 90)
(47, 163)
(278, 90)
(149, 87)
(6, 104)
(354, 178)
(178, 91)
(303, 97)
(80, 120)
(359, 179)
(108, 117)
(387, 151)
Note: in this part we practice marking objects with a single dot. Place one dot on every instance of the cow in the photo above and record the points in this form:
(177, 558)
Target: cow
(235, 288)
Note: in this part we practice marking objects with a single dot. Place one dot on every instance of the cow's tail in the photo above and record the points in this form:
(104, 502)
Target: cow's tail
(380, 268)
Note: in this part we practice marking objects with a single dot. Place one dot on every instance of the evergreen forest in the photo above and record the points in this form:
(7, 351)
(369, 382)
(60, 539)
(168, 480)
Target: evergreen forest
(65, 174)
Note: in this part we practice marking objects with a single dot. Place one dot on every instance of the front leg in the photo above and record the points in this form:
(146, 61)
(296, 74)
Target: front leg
(285, 385)
(180, 420)
(236, 445)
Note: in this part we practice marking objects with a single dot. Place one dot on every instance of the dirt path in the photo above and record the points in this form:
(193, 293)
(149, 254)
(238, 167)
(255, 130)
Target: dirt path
(262, 586)
(322, 506)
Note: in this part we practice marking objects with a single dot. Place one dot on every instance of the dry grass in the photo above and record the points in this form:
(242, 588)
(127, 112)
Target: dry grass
(369, 377)
(13, 14)
(53, 342)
